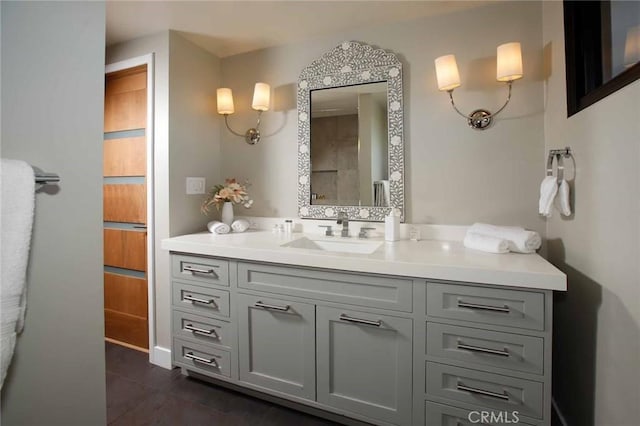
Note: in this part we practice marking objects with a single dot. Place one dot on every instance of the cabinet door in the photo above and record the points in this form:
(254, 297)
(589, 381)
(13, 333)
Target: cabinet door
(364, 363)
(277, 344)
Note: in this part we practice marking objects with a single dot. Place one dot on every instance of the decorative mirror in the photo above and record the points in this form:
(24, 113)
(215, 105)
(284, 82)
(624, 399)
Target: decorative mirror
(350, 142)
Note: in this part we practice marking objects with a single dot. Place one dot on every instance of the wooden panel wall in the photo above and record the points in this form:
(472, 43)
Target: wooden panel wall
(125, 102)
(125, 157)
(125, 249)
(125, 203)
(125, 294)
(126, 328)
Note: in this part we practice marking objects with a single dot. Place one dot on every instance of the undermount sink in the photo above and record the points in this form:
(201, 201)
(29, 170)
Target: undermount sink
(344, 246)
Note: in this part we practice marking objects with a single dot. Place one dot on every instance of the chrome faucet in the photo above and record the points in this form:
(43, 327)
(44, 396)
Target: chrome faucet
(344, 221)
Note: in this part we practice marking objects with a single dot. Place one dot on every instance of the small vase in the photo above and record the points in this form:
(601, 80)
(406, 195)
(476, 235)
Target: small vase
(227, 213)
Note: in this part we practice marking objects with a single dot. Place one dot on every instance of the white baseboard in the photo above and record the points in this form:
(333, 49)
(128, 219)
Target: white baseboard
(161, 357)
(558, 412)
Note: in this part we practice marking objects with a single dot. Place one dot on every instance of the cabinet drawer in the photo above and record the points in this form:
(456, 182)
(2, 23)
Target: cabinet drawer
(355, 289)
(200, 300)
(508, 308)
(201, 269)
(200, 358)
(445, 415)
(205, 330)
(502, 350)
(493, 391)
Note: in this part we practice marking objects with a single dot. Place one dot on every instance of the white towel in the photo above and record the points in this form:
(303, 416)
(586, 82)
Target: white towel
(548, 191)
(240, 225)
(562, 199)
(486, 243)
(520, 240)
(217, 227)
(17, 186)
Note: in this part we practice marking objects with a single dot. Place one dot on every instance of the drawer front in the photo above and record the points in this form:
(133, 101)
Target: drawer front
(493, 391)
(201, 269)
(204, 330)
(201, 358)
(472, 345)
(200, 300)
(355, 289)
(508, 308)
(445, 415)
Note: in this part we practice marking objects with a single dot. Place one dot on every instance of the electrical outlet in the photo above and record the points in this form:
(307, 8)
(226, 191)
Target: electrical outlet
(195, 185)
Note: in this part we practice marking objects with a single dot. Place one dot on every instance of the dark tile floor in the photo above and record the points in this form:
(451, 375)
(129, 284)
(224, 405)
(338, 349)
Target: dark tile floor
(139, 393)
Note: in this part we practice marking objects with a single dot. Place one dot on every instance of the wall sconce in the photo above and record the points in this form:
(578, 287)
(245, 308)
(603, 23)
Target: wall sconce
(509, 68)
(261, 96)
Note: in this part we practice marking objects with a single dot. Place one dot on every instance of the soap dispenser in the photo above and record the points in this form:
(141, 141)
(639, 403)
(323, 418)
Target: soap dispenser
(392, 225)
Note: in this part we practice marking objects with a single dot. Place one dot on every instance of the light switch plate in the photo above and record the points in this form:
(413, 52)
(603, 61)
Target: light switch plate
(195, 185)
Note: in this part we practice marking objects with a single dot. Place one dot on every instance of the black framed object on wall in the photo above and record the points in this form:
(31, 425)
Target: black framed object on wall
(602, 49)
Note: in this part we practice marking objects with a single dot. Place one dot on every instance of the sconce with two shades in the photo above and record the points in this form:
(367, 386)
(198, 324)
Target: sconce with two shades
(261, 97)
(509, 69)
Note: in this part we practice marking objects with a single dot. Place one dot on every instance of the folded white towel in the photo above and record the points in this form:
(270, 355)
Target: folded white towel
(562, 199)
(240, 225)
(217, 227)
(17, 186)
(486, 243)
(520, 240)
(548, 191)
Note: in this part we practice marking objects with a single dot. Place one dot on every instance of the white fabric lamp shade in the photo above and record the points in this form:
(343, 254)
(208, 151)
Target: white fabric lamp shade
(509, 62)
(225, 100)
(261, 95)
(632, 46)
(447, 73)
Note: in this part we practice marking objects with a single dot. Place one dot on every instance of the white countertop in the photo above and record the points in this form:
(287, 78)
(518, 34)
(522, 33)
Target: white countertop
(430, 259)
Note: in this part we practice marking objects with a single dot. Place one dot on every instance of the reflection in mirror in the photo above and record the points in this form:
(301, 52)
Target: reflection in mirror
(349, 146)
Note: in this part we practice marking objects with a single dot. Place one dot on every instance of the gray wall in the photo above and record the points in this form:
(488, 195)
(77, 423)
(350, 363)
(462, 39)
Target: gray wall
(52, 109)
(490, 176)
(597, 333)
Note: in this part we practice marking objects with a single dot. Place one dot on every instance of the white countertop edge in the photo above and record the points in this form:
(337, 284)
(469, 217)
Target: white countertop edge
(549, 279)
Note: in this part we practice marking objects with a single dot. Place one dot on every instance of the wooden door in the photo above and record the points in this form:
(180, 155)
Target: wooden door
(125, 208)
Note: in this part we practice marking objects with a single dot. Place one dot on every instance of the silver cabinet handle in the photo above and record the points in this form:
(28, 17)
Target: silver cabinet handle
(198, 270)
(191, 328)
(284, 308)
(469, 389)
(210, 361)
(483, 350)
(503, 309)
(345, 317)
(198, 300)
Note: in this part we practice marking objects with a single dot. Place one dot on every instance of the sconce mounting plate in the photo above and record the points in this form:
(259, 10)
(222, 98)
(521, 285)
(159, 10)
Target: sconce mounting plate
(479, 119)
(252, 136)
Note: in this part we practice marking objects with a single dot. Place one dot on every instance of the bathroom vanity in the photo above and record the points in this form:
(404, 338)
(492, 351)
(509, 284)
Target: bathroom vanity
(411, 333)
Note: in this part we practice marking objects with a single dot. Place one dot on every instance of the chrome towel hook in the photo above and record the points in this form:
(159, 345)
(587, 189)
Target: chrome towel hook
(558, 154)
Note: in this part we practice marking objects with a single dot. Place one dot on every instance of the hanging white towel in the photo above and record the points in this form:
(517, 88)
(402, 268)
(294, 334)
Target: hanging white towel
(240, 225)
(17, 186)
(562, 199)
(548, 191)
(217, 227)
(520, 240)
(485, 243)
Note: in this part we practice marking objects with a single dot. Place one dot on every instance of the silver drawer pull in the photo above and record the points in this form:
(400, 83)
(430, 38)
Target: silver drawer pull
(504, 309)
(191, 328)
(502, 396)
(198, 300)
(284, 308)
(345, 317)
(210, 361)
(483, 350)
(198, 270)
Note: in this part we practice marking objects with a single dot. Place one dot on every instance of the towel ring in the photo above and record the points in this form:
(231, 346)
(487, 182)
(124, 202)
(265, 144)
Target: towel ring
(558, 154)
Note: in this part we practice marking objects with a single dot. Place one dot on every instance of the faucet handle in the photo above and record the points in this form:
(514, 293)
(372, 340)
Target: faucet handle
(363, 231)
(328, 232)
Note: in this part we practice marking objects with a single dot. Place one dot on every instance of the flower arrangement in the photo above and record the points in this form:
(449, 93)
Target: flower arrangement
(230, 192)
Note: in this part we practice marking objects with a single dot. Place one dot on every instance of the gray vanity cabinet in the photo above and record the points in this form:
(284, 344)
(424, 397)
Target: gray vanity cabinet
(364, 363)
(277, 344)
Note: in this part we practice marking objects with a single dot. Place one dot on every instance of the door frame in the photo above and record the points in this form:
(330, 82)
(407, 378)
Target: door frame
(147, 60)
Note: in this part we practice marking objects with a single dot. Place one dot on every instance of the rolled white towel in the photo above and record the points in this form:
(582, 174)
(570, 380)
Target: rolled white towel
(486, 243)
(217, 227)
(548, 191)
(240, 225)
(520, 240)
(562, 200)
